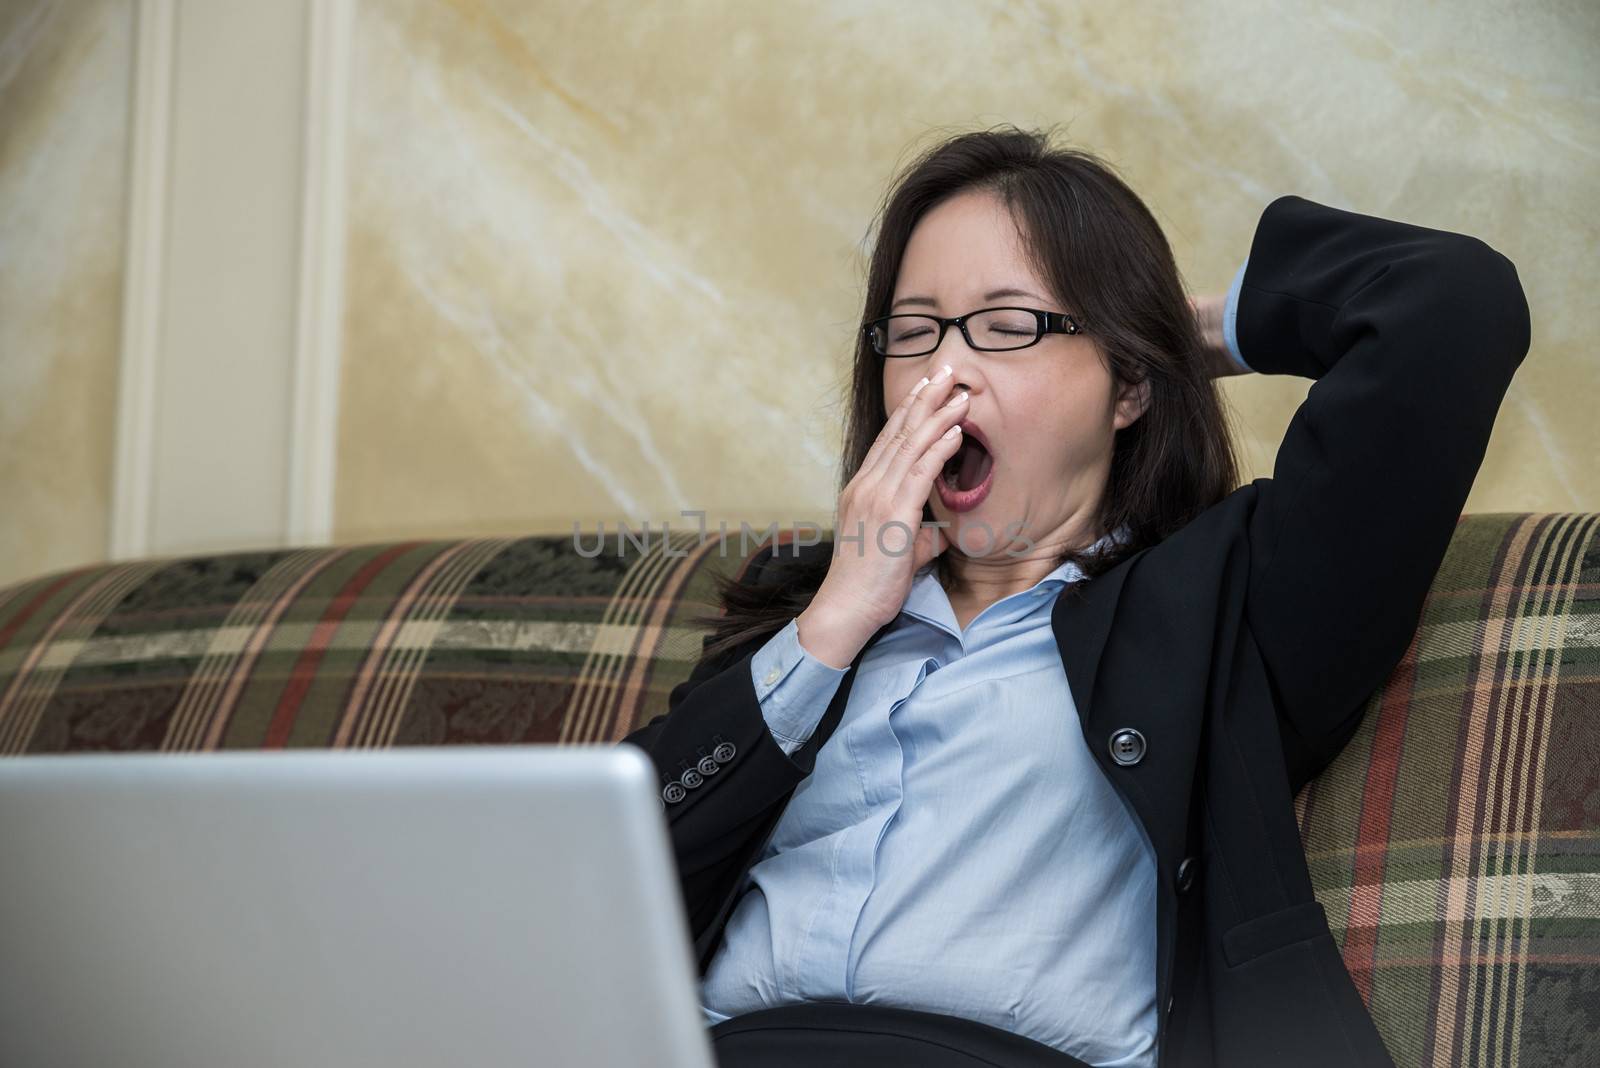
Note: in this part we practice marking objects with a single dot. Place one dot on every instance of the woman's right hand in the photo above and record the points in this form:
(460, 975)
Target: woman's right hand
(869, 579)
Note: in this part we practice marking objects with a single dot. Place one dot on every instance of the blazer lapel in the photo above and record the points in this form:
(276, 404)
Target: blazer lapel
(1081, 620)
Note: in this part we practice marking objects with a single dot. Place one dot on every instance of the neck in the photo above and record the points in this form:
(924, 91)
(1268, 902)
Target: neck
(983, 580)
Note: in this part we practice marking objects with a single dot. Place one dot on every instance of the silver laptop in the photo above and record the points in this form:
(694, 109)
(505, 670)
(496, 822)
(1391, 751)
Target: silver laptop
(493, 906)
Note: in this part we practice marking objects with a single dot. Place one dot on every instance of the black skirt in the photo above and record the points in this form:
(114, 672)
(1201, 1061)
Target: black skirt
(837, 1034)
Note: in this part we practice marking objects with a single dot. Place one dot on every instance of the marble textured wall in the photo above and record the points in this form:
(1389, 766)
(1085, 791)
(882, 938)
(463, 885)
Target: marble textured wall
(64, 70)
(605, 263)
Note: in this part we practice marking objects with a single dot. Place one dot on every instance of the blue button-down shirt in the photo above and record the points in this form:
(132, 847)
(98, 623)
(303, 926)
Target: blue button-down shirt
(956, 848)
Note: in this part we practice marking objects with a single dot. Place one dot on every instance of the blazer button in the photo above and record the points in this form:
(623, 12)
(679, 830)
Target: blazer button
(724, 752)
(1127, 747)
(674, 792)
(1186, 873)
(691, 778)
(708, 766)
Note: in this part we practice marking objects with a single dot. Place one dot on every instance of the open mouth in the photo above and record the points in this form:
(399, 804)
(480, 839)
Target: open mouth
(968, 476)
(970, 465)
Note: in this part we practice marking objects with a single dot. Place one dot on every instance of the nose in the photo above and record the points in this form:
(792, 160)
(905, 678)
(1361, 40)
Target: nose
(956, 356)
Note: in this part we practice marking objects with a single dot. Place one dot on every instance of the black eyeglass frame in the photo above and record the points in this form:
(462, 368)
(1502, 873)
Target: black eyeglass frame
(1047, 322)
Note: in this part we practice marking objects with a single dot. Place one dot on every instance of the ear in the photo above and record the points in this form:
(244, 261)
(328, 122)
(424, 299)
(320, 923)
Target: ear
(1132, 399)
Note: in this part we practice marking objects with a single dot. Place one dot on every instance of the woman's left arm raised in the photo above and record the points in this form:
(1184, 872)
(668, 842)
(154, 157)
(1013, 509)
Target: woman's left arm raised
(1412, 335)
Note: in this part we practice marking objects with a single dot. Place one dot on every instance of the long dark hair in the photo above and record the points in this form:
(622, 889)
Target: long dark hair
(1103, 254)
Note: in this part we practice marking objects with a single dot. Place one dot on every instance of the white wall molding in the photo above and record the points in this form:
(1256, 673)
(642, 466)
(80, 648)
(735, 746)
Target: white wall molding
(132, 465)
(228, 393)
(313, 440)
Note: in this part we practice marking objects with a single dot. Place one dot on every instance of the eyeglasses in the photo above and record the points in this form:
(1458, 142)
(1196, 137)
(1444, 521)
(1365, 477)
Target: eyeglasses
(987, 330)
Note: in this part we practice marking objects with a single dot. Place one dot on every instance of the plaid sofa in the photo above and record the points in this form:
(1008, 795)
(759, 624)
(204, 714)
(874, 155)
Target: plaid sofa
(1455, 843)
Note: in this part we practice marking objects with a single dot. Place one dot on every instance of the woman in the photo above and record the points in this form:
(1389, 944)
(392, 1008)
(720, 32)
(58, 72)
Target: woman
(1018, 790)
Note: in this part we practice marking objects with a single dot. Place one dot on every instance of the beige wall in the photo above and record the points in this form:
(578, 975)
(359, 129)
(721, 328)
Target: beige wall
(64, 70)
(605, 263)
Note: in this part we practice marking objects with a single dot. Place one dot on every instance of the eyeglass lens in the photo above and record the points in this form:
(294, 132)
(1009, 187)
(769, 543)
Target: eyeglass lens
(996, 328)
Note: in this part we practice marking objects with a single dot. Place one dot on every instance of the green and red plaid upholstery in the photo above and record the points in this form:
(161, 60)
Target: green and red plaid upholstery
(1455, 843)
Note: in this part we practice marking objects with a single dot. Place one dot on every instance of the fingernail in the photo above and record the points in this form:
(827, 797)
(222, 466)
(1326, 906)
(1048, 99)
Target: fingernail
(943, 374)
(919, 386)
(959, 398)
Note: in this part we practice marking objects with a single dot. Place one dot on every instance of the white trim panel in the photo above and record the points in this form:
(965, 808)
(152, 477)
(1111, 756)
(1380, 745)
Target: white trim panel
(132, 466)
(313, 440)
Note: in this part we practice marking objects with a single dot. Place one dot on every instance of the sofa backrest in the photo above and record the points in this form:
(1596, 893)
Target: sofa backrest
(1455, 842)
(471, 641)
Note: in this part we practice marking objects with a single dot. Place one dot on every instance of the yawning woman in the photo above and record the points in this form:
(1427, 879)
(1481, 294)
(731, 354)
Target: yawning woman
(1003, 774)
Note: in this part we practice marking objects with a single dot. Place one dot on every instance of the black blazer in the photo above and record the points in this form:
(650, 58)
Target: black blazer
(1242, 649)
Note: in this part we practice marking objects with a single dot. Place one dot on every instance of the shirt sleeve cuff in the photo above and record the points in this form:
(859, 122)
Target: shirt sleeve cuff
(1230, 317)
(793, 686)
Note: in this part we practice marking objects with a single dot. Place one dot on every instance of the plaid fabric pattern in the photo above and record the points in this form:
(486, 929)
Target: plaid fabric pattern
(480, 641)
(1455, 842)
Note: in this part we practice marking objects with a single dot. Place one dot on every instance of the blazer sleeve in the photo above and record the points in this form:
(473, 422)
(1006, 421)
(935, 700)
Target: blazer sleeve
(1412, 336)
(713, 826)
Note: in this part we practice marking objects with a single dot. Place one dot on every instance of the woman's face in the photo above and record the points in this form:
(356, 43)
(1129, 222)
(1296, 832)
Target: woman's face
(1048, 411)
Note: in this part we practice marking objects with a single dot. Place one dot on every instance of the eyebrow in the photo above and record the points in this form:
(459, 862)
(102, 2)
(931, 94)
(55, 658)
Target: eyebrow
(994, 294)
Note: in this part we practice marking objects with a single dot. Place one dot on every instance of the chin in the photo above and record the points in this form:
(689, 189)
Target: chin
(975, 533)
